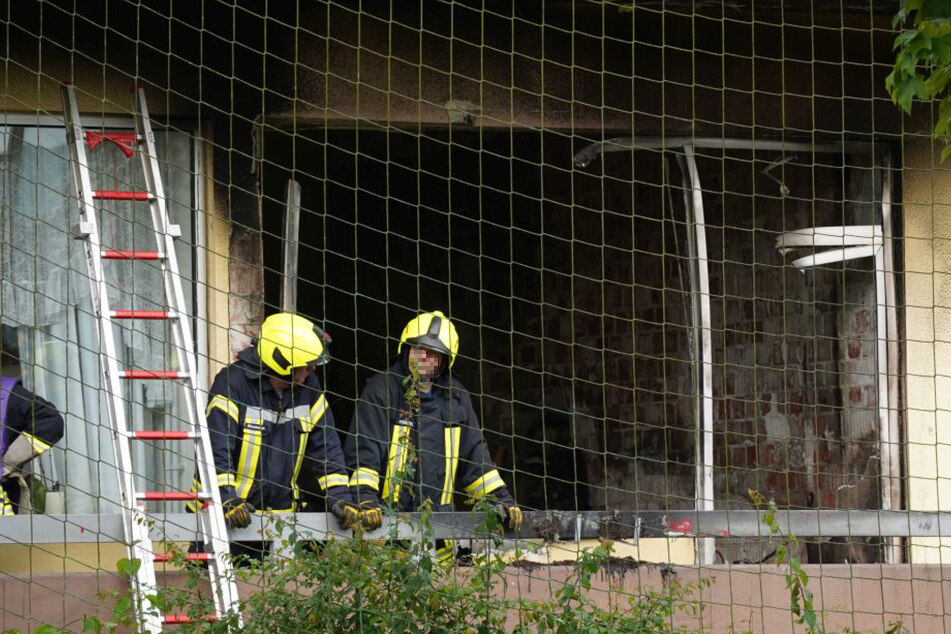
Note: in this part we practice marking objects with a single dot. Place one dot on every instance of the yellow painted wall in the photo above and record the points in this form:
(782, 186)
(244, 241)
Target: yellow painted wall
(926, 209)
(678, 551)
(21, 559)
(217, 241)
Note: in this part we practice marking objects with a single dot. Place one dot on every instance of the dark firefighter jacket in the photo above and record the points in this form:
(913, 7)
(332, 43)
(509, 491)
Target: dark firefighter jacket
(32, 417)
(450, 454)
(261, 438)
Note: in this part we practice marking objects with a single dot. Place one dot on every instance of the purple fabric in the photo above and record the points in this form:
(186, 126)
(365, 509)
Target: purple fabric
(6, 387)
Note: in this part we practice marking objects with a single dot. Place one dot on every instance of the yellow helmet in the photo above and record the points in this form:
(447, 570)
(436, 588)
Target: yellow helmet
(432, 331)
(290, 341)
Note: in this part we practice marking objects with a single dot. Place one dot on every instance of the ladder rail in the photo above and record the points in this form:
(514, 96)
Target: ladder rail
(214, 530)
(135, 523)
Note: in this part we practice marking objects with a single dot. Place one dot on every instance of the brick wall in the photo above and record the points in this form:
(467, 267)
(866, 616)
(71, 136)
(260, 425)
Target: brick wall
(611, 343)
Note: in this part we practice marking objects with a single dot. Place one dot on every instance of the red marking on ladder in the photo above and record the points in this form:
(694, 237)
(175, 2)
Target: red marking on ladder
(140, 314)
(169, 496)
(125, 141)
(115, 194)
(132, 255)
(178, 619)
(151, 374)
(190, 556)
(162, 435)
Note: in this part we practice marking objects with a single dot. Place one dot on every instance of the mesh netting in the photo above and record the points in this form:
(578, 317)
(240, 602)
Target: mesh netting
(691, 250)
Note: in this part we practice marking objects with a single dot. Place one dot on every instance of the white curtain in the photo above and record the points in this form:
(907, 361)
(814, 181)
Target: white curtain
(45, 294)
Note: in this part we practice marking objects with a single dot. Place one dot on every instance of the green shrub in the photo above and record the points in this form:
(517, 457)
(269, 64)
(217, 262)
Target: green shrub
(369, 585)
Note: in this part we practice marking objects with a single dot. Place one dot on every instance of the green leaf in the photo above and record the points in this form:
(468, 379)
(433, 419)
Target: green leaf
(904, 37)
(945, 152)
(810, 618)
(803, 577)
(123, 608)
(128, 567)
(938, 80)
(91, 624)
(906, 92)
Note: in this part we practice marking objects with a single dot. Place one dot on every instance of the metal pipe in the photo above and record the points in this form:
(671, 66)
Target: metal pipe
(291, 235)
(894, 447)
(625, 144)
(701, 293)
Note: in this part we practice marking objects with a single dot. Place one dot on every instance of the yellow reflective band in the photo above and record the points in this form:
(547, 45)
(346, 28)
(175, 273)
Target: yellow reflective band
(301, 448)
(223, 403)
(317, 411)
(365, 476)
(396, 462)
(38, 445)
(226, 479)
(272, 511)
(452, 437)
(248, 460)
(194, 505)
(333, 480)
(6, 508)
(446, 553)
(488, 483)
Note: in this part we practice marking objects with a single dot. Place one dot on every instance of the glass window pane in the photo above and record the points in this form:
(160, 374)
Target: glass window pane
(45, 295)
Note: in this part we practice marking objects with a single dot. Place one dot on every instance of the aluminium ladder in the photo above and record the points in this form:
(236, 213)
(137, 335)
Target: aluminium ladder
(211, 523)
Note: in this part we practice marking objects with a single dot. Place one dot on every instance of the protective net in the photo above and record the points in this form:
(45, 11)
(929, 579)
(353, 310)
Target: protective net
(694, 261)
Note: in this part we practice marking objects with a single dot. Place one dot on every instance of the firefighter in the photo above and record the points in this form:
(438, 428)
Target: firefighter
(434, 422)
(29, 425)
(268, 416)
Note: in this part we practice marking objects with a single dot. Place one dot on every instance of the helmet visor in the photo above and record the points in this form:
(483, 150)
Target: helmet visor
(324, 357)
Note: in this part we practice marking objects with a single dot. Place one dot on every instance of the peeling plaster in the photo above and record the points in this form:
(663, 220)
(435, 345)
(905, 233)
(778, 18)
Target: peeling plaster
(777, 425)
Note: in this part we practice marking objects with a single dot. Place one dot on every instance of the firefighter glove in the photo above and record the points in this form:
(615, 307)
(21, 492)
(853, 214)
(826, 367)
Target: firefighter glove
(371, 515)
(346, 513)
(511, 515)
(237, 512)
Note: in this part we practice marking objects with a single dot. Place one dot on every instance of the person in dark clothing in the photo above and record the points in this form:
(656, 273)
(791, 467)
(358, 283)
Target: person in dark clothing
(29, 425)
(268, 416)
(437, 425)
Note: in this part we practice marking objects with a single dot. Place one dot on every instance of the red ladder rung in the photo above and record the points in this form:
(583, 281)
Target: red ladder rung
(163, 435)
(141, 314)
(170, 496)
(152, 374)
(113, 194)
(190, 556)
(178, 619)
(132, 255)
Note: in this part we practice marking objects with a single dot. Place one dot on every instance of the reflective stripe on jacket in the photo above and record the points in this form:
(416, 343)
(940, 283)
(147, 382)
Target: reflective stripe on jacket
(263, 440)
(444, 439)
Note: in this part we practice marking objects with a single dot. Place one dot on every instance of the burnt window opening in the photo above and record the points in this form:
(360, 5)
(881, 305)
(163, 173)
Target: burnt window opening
(574, 293)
